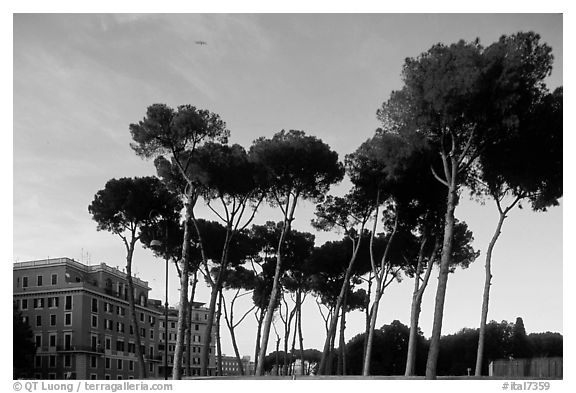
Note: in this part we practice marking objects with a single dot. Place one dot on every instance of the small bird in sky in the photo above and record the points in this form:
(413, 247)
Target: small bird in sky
(201, 43)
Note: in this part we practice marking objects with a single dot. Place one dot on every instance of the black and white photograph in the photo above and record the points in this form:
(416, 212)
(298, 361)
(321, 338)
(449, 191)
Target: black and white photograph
(280, 196)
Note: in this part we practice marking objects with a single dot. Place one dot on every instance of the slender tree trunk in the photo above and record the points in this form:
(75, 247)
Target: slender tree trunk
(293, 347)
(189, 331)
(275, 286)
(367, 315)
(370, 338)
(381, 284)
(417, 304)
(132, 306)
(216, 287)
(445, 260)
(258, 336)
(231, 326)
(330, 357)
(339, 300)
(287, 329)
(277, 355)
(218, 344)
(341, 357)
(486, 295)
(183, 306)
(301, 339)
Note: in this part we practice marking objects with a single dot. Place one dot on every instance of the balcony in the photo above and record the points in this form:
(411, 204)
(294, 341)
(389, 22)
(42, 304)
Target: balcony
(80, 348)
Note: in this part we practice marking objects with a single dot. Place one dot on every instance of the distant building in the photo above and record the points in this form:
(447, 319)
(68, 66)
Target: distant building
(81, 322)
(230, 365)
(537, 368)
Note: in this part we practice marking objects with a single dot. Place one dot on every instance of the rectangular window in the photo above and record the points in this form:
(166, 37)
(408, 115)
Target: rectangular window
(39, 281)
(94, 342)
(52, 319)
(119, 364)
(93, 376)
(141, 317)
(93, 361)
(53, 302)
(94, 321)
(151, 334)
(67, 341)
(68, 303)
(119, 377)
(107, 363)
(39, 303)
(131, 347)
(108, 343)
(107, 376)
(38, 340)
(67, 361)
(37, 361)
(52, 361)
(68, 319)
(94, 305)
(151, 351)
(24, 304)
(52, 340)
(54, 279)
(196, 327)
(120, 346)
(142, 332)
(173, 325)
(38, 320)
(151, 367)
(24, 282)
(131, 365)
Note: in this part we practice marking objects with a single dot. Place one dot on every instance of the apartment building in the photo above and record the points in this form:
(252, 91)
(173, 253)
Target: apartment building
(81, 321)
(230, 365)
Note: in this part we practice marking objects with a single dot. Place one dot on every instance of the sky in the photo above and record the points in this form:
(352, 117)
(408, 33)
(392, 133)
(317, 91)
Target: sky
(79, 80)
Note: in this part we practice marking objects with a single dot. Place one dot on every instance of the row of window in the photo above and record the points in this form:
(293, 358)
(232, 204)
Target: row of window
(67, 363)
(39, 280)
(52, 340)
(41, 302)
(52, 319)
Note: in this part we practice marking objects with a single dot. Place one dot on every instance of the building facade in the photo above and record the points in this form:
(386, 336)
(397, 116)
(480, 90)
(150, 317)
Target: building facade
(230, 365)
(80, 319)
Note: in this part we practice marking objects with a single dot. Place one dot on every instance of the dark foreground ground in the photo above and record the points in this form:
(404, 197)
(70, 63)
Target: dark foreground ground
(359, 377)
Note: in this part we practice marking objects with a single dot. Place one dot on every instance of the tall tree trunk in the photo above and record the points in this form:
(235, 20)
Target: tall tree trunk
(370, 337)
(183, 306)
(275, 285)
(258, 336)
(339, 300)
(367, 310)
(381, 284)
(218, 344)
(417, 304)
(452, 200)
(189, 323)
(341, 357)
(287, 329)
(216, 287)
(293, 347)
(486, 295)
(231, 329)
(301, 339)
(132, 306)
